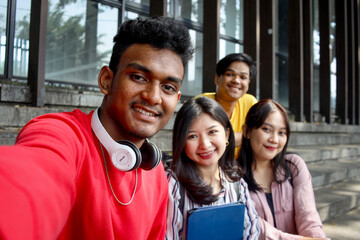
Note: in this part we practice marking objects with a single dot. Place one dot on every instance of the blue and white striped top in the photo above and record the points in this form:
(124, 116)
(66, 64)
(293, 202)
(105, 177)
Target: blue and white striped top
(231, 192)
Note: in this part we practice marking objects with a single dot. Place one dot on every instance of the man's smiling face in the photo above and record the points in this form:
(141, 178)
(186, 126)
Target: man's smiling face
(143, 94)
(234, 83)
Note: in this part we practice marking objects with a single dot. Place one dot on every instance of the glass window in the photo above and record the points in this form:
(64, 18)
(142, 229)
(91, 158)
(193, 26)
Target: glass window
(227, 47)
(231, 27)
(281, 36)
(170, 8)
(333, 56)
(190, 9)
(21, 41)
(3, 17)
(316, 58)
(232, 18)
(192, 83)
(79, 40)
(143, 2)
(132, 15)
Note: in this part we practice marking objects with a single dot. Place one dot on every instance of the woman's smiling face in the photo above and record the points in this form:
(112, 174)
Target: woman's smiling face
(206, 141)
(268, 140)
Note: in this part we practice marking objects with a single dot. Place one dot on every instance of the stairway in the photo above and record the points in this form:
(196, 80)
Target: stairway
(331, 152)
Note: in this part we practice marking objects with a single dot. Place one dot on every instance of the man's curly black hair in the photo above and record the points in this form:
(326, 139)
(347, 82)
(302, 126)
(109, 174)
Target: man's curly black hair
(159, 32)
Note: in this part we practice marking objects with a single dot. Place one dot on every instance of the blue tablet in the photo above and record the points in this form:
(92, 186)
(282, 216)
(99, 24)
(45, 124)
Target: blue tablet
(216, 222)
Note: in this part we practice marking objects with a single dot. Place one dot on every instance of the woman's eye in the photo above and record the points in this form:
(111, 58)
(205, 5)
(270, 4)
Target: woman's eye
(282, 133)
(212, 132)
(266, 129)
(192, 136)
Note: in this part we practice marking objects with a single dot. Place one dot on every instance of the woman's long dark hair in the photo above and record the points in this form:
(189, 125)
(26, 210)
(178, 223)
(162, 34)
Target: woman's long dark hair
(255, 118)
(183, 167)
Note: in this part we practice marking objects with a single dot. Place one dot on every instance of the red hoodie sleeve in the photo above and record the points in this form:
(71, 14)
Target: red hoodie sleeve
(37, 177)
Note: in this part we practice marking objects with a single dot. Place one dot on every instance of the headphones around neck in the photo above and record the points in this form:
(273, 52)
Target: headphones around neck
(124, 154)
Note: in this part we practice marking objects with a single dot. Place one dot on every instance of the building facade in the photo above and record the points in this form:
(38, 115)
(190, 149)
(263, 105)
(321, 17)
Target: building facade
(307, 51)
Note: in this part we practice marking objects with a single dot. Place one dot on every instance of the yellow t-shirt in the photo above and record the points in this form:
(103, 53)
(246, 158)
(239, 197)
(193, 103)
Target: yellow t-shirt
(239, 114)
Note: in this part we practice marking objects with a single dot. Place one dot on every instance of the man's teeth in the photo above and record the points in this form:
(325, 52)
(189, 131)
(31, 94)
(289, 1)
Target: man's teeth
(235, 88)
(144, 112)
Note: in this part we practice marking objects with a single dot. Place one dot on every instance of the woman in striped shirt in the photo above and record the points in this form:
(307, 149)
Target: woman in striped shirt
(203, 170)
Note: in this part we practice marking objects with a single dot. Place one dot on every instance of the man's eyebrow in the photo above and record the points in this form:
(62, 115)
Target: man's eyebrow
(139, 67)
(145, 69)
(232, 70)
(175, 80)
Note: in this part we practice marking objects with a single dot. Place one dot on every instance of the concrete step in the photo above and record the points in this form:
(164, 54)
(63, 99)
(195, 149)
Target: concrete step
(338, 199)
(19, 115)
(313, 134)
(8, 135)
(320, 153)
(14, 117)
(332, 172)
(344, 227)
(323, 139)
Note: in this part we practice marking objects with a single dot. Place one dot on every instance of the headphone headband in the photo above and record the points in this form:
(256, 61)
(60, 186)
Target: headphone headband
(121, 157)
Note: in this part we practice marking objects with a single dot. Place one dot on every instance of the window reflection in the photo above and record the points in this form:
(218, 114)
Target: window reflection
(21, 41)
(3, 16)
(316, 58)
(232, 18)
(143, 2)
(190, 9)
(227, 47)
(333, 77)
(281, 33)
(132, 15)
(231, 27)
(192, 83)
(79, 40)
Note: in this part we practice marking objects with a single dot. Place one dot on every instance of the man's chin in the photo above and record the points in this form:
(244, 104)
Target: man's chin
(144, 134)
(236, 96)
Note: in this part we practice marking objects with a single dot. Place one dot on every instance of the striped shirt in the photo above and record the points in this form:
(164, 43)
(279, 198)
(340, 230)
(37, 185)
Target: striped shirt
(231, 192)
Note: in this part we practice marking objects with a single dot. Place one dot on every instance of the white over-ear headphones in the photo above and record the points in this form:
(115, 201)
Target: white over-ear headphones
(125, 155)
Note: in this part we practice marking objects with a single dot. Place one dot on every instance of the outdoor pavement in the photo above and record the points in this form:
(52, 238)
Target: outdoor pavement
(346, 227)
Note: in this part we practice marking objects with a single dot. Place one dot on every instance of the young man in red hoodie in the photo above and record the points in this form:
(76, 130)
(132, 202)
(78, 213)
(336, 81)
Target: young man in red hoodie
(95, 176)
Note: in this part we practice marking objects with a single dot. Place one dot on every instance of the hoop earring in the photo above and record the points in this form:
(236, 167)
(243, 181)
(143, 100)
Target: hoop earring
(227, 143)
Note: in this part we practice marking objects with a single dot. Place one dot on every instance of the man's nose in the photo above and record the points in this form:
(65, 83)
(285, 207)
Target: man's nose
(152, 93)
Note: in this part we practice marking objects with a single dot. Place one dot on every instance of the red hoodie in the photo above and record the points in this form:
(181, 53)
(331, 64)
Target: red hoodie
(53, 186)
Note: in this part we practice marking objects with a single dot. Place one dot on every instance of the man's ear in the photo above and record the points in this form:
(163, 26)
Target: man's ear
(105, 79)
(217, 80)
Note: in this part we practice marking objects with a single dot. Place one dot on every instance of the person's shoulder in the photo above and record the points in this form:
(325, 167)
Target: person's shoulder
(243, 182)
(207, 94)
(59, 120)
(248, 98)
(75, 114)
(295, 159)
(171, 176)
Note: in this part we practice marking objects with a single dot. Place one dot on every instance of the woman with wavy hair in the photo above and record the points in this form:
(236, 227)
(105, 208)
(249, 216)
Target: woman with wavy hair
(203, 170)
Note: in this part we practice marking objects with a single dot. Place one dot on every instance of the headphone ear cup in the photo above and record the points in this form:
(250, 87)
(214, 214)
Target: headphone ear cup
(138, 159)
(151, 155)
